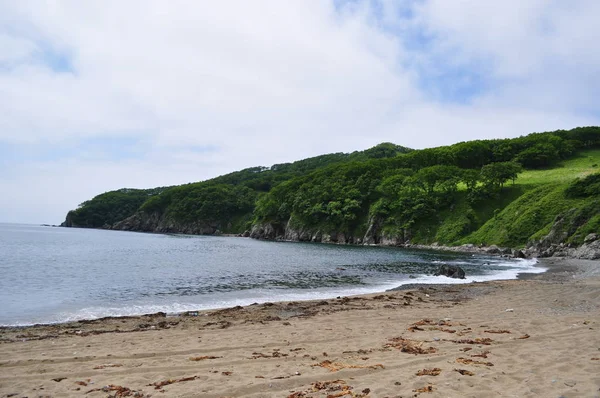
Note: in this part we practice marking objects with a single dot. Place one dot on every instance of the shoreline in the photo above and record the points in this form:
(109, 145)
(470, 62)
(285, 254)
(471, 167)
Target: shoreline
(535, 336)
(556, 269)
(326, 296)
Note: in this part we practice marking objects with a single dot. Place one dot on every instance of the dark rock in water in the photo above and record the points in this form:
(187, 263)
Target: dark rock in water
(493, 249)
(518, 254)
(451, 271)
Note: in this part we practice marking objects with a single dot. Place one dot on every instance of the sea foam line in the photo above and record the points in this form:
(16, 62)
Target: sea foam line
(262, 296)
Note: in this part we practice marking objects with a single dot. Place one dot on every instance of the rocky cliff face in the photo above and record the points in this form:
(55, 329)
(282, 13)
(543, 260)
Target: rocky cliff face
(69, 222)
(589, 250)
(553, 244)
(556, 242)
(266, 231)
(295, 232)
(154, 222)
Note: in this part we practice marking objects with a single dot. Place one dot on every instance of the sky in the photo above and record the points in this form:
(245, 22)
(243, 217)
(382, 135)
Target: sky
(103, 94)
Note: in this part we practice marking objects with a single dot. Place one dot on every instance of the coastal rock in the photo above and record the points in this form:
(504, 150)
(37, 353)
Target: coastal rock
(390, 240)
(451, 271)
(518, 253)
(561, 229)
(154, 222)
(68, 223)
(296, 232)
(493, 249)
(372, 235)
(263, 231)
(549, 252)
(588, 251)
(590, 238)
(317, 237)
(139, 222)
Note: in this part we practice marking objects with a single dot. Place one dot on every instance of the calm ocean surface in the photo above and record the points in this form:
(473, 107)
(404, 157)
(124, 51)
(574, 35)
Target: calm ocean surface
(61, 274)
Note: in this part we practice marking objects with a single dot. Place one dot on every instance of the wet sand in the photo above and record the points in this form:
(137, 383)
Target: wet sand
(537, 336)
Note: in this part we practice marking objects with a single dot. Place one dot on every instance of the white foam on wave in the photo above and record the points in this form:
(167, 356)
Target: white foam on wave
(513, 269)
(512, 272)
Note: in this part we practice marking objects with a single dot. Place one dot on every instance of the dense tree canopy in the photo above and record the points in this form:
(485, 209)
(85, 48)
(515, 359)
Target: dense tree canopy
(341, 192)
(110, 207)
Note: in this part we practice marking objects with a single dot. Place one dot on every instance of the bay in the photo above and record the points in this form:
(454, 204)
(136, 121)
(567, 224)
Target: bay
(50, 275)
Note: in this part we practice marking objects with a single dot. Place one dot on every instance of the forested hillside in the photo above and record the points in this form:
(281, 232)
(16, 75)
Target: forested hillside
(224, 203)
(505, 192)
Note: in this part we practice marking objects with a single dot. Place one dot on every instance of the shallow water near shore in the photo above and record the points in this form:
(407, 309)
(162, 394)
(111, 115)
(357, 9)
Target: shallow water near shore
(51, 275)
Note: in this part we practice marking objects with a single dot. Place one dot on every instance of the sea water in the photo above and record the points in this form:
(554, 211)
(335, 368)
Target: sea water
(50, 275)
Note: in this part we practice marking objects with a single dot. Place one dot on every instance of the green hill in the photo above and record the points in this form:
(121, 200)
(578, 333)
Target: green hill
(506, 192)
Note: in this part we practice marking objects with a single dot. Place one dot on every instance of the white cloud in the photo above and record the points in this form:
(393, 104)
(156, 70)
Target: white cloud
(539, 52)
(270, 82)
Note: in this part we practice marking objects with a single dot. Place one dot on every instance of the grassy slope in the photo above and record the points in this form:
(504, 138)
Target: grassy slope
(535, 200)
(580, 166)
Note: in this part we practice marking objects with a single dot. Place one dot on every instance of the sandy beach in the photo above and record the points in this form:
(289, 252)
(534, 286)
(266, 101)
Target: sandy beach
(534, 337)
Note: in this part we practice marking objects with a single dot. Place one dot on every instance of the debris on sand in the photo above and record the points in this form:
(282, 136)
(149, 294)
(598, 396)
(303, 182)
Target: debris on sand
(483, 354)
(428, 388)
(432, 326)
(410, 346)
(349, 392)
(330, 385)
(109, 365)
(120, 391)
(202, 358)
(483, 341)
(275, 354)
(467, 361)
(333, 388)
(447, 330)
(422, 322)
(159, 384)
(335, 366)
(340, 394)
(464, 372)
(414, 328)
(499, 331)
(429, 372)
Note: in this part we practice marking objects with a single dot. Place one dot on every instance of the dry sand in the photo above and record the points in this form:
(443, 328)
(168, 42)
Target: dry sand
(539, 336)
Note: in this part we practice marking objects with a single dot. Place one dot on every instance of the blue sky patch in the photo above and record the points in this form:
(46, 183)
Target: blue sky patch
(58, 62)
(438, 76)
